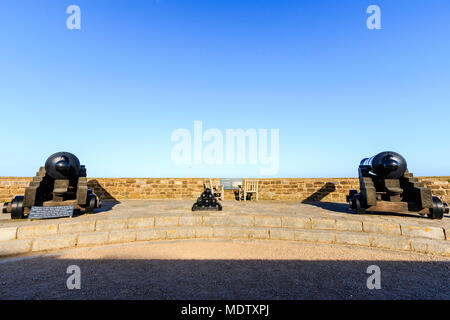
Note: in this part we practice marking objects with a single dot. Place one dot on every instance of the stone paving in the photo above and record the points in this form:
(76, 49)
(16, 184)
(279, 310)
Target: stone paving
(145, 208)
(225, 269)
(143, 220)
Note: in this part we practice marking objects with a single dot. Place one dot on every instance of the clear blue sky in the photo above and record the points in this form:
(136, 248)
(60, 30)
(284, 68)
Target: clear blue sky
(114, 91)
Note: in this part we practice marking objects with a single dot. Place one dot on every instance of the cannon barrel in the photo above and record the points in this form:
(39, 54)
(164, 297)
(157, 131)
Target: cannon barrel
(62, 165)
(387, 165)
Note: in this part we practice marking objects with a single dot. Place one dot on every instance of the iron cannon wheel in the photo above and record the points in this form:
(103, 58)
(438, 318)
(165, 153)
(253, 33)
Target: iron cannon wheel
(17, 208)
(438, 209)
(350, 197)
(357, 203)
(91, 203)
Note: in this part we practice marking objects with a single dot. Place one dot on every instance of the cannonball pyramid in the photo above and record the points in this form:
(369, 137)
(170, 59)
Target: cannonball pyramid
(206, 202)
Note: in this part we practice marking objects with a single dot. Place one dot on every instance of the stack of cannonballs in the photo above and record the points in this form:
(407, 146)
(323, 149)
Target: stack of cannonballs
(207, 201)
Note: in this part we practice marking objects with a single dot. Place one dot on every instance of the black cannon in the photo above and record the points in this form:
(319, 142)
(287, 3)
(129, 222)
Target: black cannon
(207, 202)
(387, 186)
(62, 182)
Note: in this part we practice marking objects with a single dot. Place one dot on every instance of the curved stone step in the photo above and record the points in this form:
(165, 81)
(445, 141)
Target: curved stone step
(35, 236)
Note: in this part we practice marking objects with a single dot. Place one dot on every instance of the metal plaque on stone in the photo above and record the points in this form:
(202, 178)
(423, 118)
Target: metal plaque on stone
(50, 212)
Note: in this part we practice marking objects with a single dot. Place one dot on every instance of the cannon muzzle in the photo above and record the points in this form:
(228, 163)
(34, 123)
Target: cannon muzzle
(63, 165)
(387, 165)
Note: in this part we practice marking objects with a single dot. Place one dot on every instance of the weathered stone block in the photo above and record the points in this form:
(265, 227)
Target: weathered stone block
(122, 236)
(315, 236)
(265, 221)
(204, 232)
(76, 227)
(390, 242)
(323, 223)
(27, 232)
(229, 220)
(296, 222)
(423, 232)
(439, 248)
(360, 239)
(141, 223)
(151, 234)
(181, 233)
(381, 227)
(111, 224)
(419, 245)
(349, 225)
(92, 238)
(13, 247)
(8, 233)
(281, 234)
(54, 242)
(259, 233)
(166, 221)
(190, 220)
(231, 232)
(431, 246)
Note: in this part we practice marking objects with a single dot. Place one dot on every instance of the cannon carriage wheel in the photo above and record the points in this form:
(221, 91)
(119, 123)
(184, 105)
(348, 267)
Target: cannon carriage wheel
(356, 202)
(438, 209)
(91, 203)
(17, 208)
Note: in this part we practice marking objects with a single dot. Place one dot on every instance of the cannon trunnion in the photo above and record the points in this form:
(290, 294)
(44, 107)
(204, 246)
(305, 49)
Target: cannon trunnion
(387, 186)
(61, 182)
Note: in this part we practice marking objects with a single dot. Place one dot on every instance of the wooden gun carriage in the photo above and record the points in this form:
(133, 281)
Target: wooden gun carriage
(386, 185)
(62, 182)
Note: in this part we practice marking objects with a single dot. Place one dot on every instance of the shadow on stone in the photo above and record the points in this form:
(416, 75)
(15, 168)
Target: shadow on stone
(108, 200)
(344, 208)
(330, 206)
(328, 188)
(223, 279)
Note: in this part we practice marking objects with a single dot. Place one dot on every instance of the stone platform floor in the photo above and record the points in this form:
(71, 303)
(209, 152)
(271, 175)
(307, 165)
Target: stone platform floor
(145, 220)
(145, 208)
(199, 269)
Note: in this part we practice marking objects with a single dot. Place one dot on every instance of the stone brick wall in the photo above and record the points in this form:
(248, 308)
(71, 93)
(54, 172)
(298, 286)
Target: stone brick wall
(331, 190)
(11, 187)
(151, 188)
(298, 189)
